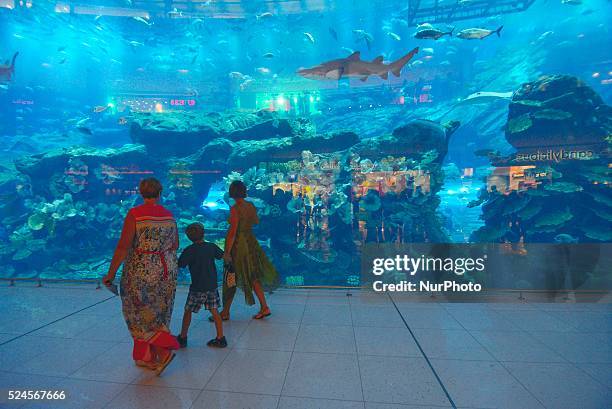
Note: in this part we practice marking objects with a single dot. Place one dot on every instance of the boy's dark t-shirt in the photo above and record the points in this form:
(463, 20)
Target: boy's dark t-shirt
(200, 257)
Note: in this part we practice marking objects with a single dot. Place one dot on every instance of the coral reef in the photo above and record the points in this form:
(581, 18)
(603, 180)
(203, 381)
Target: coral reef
(572, 197)
(332, 191)
(557, 110)
(85, 171)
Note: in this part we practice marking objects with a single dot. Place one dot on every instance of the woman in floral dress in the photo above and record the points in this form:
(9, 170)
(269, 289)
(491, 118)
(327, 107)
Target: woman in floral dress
(148, 245)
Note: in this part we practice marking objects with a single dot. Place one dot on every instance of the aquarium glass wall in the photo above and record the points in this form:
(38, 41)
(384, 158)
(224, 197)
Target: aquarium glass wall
(351, 122)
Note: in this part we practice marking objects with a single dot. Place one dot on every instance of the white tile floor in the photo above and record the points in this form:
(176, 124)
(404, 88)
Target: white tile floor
(319, 349)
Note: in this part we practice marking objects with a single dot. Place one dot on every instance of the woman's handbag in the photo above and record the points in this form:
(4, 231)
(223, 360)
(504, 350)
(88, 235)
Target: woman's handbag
(229, 276)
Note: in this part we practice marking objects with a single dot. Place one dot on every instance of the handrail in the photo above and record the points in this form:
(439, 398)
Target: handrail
(98, 281)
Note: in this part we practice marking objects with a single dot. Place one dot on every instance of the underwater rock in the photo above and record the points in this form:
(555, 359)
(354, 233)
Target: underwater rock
(183, 133)
(245, 154)
(56, 172)
(412, 140)
(557, 110)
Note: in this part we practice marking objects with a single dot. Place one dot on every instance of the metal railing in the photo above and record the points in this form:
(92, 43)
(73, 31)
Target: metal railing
(520, 293)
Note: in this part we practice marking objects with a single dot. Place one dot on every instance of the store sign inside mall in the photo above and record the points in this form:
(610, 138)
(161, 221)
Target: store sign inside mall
(183, 102)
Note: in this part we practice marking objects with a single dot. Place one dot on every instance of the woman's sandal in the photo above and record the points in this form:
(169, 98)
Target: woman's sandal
(261, 315)
(162, 366)
(144, 364)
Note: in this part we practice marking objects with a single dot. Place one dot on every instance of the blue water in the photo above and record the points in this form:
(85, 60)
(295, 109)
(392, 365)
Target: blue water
(96, 77)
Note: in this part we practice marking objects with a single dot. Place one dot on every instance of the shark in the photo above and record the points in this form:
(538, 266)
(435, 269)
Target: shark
(7, 70)
(354, 67)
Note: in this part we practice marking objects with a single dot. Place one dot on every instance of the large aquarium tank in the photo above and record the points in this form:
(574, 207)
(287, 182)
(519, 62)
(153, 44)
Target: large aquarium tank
(350, 121)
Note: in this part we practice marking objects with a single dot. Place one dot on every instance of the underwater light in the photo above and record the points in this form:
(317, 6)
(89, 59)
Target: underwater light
(311, 98)
(111, 105)
(295, 100)
(7, 4)
(280, 100)
(210, 204)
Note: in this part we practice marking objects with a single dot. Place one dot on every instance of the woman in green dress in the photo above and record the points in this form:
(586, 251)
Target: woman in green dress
(250, 264)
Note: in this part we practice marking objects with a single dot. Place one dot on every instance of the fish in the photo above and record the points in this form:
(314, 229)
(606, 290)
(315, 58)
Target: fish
(354, 66)
(268, 55)
(365, 36)
(143, 21)
(122, 121)
(215, 199)
(309, 37)
(244, 85)
(565, 238)
(572, 2)
(175, 13)
(264, 243)
(484, 97)
(84, 130)
(545, 35)
(394, 36)
(399, 22)
(478, 33)
(428, 32)
(8, 70)
(333, 33)
(267, 14)
(100, 108)
(81, 122)
(263, 70)
(235, 75)
(427, 50)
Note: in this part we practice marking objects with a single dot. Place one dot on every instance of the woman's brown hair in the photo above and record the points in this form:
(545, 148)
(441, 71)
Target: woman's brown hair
(150, 188)
(237, 190)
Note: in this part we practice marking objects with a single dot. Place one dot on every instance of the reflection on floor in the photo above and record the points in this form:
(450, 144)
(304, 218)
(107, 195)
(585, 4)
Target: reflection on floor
(319, 349)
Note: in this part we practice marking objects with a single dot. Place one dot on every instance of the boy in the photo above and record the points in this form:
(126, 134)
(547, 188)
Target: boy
(200, 257)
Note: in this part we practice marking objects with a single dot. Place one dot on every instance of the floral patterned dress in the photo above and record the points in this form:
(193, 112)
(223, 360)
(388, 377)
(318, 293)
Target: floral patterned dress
(148, 281)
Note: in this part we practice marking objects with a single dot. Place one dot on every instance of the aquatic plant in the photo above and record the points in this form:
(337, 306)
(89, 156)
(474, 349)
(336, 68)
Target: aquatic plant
(519, 124)
(370, 202)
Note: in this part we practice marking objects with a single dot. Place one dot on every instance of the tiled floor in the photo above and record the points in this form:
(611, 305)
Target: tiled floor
(319, 349)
